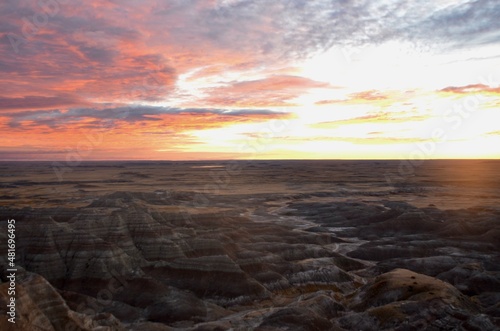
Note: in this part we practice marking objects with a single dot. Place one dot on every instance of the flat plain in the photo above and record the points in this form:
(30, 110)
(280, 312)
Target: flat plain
(254, 245)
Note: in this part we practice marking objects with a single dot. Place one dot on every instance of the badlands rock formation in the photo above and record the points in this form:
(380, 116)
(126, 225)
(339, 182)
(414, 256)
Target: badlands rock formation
(302, 258)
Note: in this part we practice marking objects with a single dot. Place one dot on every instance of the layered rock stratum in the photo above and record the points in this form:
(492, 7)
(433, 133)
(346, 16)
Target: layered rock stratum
(149, 248)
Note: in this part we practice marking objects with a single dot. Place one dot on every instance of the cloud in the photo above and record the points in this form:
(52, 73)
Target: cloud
(38, 102)
(136, 51)
(177, 118)
(274, 91)
(79, 51)
(122, 132)
(87, 64)
(369, 95)
(380, 140)
(358, 97)
(471, 89)
(468, 23)
(371, 118)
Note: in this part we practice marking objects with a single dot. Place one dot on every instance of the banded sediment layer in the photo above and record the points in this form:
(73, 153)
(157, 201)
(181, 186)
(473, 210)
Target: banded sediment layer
(136, 256)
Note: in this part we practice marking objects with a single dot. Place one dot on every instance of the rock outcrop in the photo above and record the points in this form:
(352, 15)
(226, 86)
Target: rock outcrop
(40, 307)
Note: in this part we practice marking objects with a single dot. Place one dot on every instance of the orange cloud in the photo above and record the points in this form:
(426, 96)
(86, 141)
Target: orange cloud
(86, 70)
(202, 121)
(114, 134)
(274, 91)
(473, 88)
(358, 97)
(368, 95)
(373, 118)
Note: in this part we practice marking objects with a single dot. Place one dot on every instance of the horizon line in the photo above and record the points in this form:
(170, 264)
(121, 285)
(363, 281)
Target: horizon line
(69, 163)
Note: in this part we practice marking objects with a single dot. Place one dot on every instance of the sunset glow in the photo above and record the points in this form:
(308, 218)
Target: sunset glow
(249, 79)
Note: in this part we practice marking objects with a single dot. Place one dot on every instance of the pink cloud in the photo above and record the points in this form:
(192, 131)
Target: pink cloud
(274, 91)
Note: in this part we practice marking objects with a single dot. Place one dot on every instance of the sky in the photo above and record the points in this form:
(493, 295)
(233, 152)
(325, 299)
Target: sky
(249, 79)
